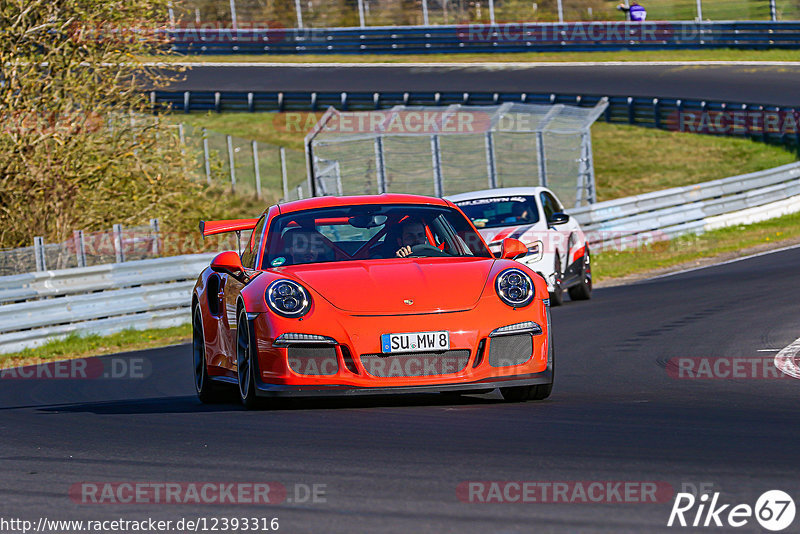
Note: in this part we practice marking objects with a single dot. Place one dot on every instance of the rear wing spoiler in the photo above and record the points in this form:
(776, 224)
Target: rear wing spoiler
(232, 225)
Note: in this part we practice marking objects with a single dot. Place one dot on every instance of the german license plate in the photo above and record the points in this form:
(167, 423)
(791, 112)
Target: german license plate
(415, 342)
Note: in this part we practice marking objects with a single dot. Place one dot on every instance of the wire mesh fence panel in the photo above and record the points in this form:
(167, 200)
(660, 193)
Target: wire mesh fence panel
(409, 165)
(562, 154)
(18, 260)
(350, 13)
(464, 163)
(516, 159)
(357, 165)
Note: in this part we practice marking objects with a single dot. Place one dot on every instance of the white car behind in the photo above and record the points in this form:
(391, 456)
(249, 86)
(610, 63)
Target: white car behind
(557, 247)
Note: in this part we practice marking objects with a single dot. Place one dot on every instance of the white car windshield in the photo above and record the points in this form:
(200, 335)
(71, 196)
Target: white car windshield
(498, 212)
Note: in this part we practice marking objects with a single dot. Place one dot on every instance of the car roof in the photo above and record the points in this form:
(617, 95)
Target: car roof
(498, 192)
(386, 198)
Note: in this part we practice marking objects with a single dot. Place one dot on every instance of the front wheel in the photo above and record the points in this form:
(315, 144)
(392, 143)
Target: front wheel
(583, 291)
(245, 363)
(206, 390)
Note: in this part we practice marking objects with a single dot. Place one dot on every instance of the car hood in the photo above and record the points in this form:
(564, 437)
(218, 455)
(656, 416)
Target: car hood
(384, 287)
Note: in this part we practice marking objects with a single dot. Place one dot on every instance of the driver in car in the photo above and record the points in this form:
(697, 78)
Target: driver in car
(412, 233)
(305, 246)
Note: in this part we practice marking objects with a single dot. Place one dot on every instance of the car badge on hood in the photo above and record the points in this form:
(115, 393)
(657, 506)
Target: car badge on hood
(408, 301)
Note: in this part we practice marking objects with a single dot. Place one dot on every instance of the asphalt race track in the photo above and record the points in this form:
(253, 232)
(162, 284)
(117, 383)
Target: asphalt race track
(393, 464)
(771, 84)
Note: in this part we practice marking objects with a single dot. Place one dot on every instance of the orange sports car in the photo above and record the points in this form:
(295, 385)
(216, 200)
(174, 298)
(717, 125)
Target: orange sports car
(367, 295)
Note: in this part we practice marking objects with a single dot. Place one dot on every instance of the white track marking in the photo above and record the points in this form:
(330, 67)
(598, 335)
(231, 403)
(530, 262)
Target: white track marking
(768, 350)
(788, 359)
(485, 64)
(766, 252)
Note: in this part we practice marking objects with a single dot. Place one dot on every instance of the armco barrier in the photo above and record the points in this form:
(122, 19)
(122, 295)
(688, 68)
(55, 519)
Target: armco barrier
(482, 38)
(759, 121)
(103, 299)
(660, 215)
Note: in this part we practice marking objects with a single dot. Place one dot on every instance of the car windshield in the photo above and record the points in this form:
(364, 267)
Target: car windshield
(367, 232)
(497, 212)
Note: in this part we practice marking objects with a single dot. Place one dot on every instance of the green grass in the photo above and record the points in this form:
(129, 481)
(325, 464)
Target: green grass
(723, 54)
(76, 346)
(614, 264)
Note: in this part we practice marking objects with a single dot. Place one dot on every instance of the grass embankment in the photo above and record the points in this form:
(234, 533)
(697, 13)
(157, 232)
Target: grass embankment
(75, 346)
(722, 54)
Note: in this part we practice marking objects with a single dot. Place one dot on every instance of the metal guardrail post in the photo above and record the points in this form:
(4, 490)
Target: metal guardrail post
(773, 11)
(436, 156)
(284, 174)
(154, 229)
(491, 12)
(258, 171)
(425, 12)
(361, 13)
(186, 101)
(118, 251)
(38, 252)
(80, 247)
(540, 157)
(380, 165)
(699, 10)
(206, 156)
(299, 13)
(491, 167)
(231, 162)
(233, 15)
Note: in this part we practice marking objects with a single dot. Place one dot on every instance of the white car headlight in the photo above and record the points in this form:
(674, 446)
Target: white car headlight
(515, 288)
(288, 298)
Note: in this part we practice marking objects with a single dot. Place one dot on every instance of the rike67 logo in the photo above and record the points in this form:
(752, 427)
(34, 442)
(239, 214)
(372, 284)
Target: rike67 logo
(774, 510)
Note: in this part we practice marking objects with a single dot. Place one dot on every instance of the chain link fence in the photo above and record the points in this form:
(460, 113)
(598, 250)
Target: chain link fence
(244, 14)
(437, 152)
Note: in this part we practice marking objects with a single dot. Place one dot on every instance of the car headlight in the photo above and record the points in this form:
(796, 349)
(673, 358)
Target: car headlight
(288, 298)
(514, 288)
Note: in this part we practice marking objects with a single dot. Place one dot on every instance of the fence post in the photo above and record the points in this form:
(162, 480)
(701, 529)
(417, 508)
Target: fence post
(491, 166)
(700, 10)
(436, 156)
(284, 175)
(380, 165)
(773, 11)
(206, 156)
(80, 247)
(299, 192)
(299, 12)
(561, 12)
(38, 252)
(233, 15)
(154, 229)
(425, 12)
(120, 254)
(361, 13)
(258, 171)
(491, 12)
(541, 160)
(231, 162)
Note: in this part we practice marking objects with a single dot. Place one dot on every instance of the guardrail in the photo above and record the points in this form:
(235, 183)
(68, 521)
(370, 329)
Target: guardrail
(103, 299)
(633, 221)
(483, 38)
(761, 121)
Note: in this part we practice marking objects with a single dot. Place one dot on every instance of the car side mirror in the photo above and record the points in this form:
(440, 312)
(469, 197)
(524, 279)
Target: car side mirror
(228, 262)
(513, 249)
(558, 218)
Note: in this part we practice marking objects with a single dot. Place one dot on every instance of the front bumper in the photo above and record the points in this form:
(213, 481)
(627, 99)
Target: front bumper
(358, 340)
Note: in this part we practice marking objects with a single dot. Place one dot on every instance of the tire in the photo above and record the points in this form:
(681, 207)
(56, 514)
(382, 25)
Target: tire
(583, 290)
(557, 295)
(206, 390)
(516, 393)
(244, 363)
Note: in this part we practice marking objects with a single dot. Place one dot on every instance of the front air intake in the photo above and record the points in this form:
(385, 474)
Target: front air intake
(314, 361)
(510, 350)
